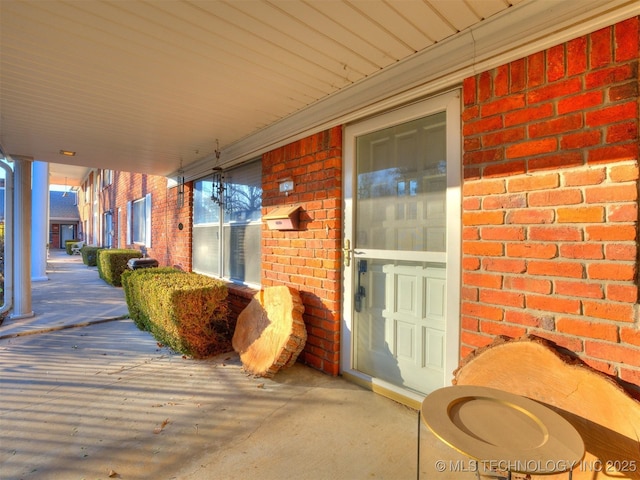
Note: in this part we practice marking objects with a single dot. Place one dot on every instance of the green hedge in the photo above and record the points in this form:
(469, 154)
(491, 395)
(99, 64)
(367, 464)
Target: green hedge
(185, 311)
(135, 295)
(89, 255)
(112, 263)
(67, 245)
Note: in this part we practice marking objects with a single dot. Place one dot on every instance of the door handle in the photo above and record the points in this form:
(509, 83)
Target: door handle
(360, 290)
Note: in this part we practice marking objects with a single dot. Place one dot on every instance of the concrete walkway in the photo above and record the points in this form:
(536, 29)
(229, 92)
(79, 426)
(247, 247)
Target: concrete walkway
(74, 295)
(104, 401)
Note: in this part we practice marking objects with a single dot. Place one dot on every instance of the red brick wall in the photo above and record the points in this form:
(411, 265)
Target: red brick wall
(309, 259)
(550, 200)
(169, 244)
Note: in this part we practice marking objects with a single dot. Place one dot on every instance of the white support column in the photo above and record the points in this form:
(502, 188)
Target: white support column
(22, 238)
(39, 221)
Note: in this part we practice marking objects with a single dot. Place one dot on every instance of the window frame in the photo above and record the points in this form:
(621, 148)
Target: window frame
(106, 178)
(146, 221)
(224, 226)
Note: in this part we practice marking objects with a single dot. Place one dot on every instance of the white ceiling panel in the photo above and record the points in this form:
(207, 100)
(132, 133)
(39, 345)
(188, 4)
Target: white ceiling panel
(388, 15)
(485, 8)
(375, 40)
(147, 85)
(457, 14)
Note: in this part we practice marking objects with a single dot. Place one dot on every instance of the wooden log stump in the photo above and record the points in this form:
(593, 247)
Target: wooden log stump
(270, 332)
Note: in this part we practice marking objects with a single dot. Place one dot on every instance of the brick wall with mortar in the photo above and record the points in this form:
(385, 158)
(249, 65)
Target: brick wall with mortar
(170, 245)
(308, 259)
(550, 200)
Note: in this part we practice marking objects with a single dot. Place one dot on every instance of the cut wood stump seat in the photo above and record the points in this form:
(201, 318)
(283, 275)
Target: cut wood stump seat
(270, 332)
(604, 414)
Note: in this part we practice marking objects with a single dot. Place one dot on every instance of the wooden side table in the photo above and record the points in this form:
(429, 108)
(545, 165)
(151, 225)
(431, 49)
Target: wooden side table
(503, 431)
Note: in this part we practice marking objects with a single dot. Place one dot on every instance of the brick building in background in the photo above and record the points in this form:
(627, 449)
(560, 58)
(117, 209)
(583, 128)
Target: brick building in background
(549, 216)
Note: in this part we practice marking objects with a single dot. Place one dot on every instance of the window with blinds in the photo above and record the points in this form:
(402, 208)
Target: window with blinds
(227, 221)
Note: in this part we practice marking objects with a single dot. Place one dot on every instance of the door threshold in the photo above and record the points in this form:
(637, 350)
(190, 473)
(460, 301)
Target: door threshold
(405, 397)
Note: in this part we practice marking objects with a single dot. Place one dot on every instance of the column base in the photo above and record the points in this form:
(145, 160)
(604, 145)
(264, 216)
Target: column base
(22, 315)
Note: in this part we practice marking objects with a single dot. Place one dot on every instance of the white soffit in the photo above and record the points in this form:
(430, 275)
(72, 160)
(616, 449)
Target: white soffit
(150, 86)
(514, 34)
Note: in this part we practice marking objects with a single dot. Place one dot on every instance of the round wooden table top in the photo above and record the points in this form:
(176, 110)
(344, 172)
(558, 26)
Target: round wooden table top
(502, 430)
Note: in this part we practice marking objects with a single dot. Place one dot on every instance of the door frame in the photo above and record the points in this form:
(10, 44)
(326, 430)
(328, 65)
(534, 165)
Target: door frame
(448, 102)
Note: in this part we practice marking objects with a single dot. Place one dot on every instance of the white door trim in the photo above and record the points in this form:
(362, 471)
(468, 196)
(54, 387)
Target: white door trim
(449, 102)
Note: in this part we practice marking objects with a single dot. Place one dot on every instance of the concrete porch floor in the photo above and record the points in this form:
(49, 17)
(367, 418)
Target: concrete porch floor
(84, 396)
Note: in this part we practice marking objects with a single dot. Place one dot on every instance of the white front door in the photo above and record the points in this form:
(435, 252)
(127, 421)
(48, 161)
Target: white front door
(402, 247)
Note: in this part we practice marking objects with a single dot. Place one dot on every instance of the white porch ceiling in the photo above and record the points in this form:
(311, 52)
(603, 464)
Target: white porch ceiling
(144, 86)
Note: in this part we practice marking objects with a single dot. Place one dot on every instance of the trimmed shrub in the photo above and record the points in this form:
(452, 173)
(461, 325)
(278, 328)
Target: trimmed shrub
(67, 245)
(185, 311)
(134, 294)
(113, 262)
(89, 255)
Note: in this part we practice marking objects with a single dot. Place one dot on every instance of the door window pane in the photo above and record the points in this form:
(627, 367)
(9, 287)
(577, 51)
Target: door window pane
(401, 187)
